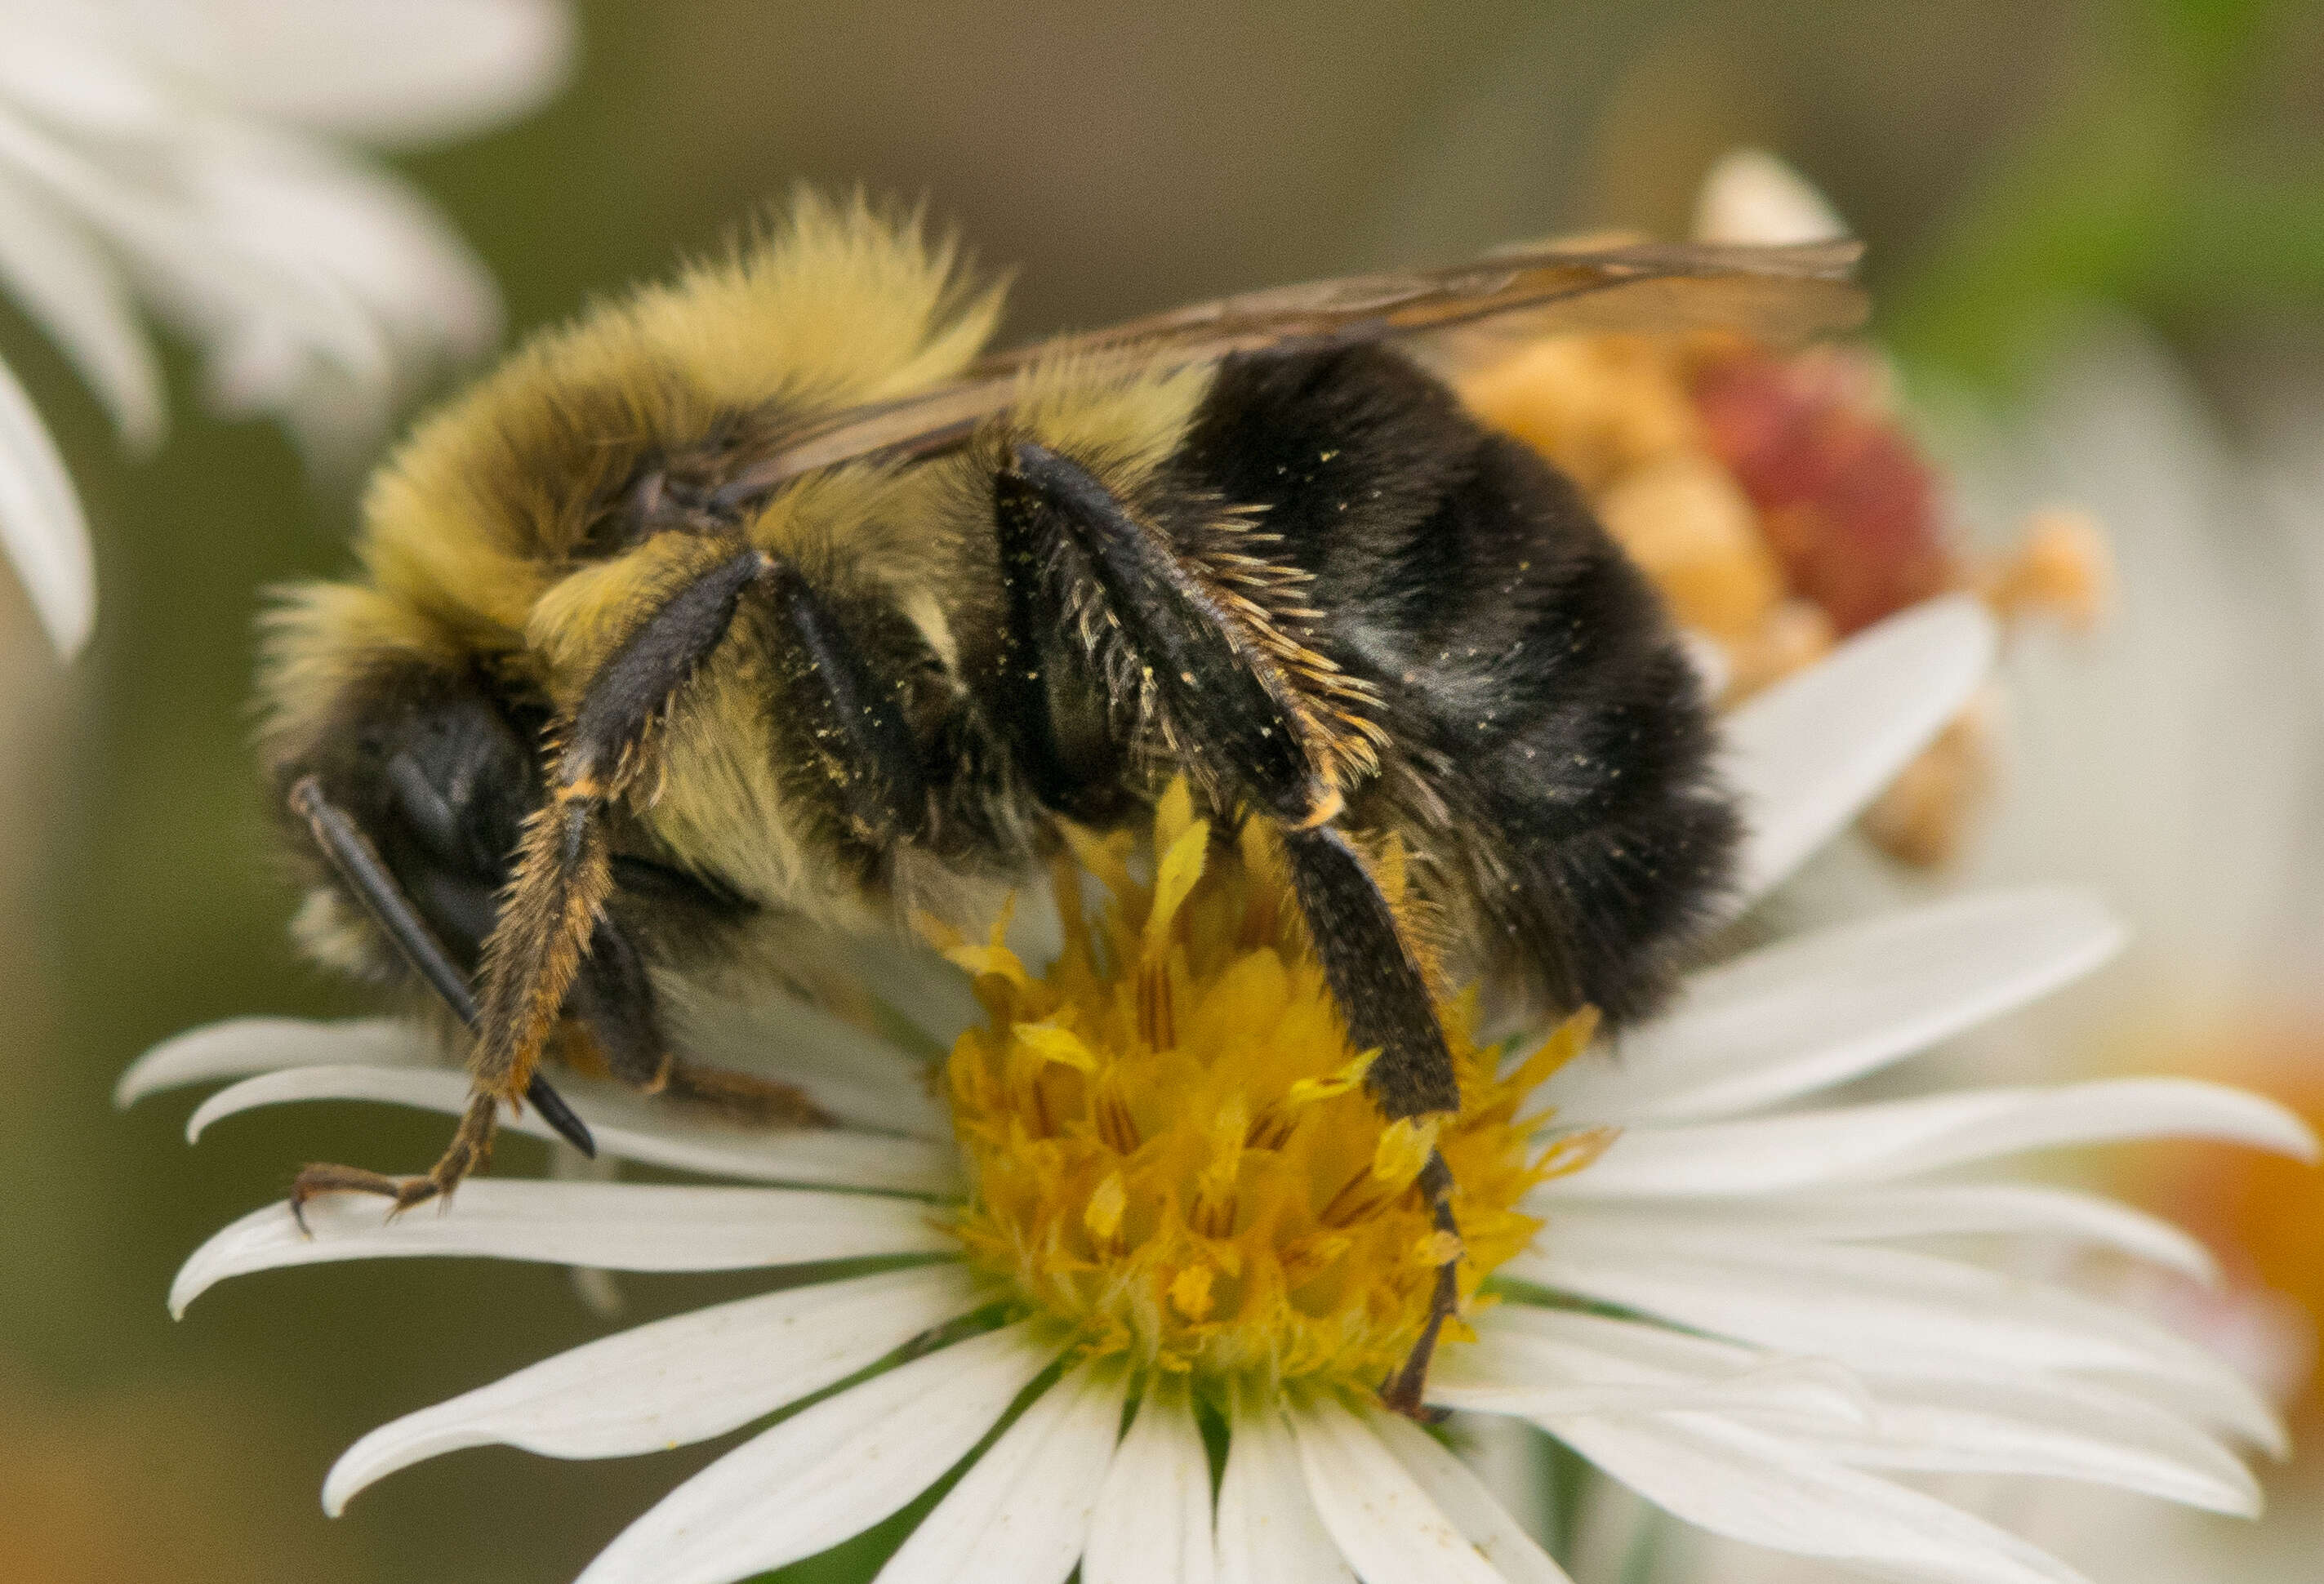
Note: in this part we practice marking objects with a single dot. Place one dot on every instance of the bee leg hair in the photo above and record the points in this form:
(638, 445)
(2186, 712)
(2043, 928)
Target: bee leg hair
(1072, 774)
(1218, 696)
(1243, 722)
(745, 1099)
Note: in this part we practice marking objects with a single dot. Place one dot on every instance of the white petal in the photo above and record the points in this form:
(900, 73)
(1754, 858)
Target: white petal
(1807, 754)
(631, 1126)
(40, 522)
(1857, 1215)
(1268, 1532)
(243, 1045)
(620, 1226)
(1894, 1138)
(1753, 1487)
(850, 1073)
(597, 1289)
(1509, 1458)
(1021, 1513)
(1752, 196)
(1152, 1524)
(1376, 1513)
(358, 230)
(1884, 1313)
(828, 1474)
(675, 1381)
(1485, 1383)
(395, 71)
(1462, 1497)
(1713, 671)
(221, 279)
(856, 1076)
(2030, 1428)
(1548, 1365)
(317, 285)
(1822, 1009)
(920, 986)
(72, 291)
(62, 69)
(376, 289)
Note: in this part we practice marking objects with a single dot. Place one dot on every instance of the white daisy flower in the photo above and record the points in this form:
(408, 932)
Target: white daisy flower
(181, 154)
(1145, 1208)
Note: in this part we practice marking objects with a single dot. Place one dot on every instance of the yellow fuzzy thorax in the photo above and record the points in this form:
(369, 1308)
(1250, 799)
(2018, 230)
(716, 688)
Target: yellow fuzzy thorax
(1173, 1158)
(479, 514)
(476, 544)
(837, 306)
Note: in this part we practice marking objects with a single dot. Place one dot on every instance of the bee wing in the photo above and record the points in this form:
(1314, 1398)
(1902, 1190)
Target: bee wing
(1459, 312)
(1776, 293)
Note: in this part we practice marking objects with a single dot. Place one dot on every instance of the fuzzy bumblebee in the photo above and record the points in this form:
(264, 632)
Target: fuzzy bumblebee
(764, 609)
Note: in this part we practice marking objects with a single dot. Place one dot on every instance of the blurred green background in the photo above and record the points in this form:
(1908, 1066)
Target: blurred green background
(2013, 164)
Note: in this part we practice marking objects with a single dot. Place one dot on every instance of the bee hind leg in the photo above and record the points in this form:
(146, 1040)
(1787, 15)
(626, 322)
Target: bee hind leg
(1404, 1392)
(1257, 733)
(1384, 995)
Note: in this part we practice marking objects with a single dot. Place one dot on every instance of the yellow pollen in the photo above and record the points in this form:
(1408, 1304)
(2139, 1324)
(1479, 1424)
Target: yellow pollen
(1103, 1216)
(1173, 1159)
(1190, 1291)
(1403, 1150)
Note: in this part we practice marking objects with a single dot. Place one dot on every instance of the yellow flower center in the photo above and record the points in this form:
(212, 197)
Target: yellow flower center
(1172, 1156)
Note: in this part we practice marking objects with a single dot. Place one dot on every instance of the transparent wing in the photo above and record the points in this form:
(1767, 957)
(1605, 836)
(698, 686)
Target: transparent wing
(1458, 313)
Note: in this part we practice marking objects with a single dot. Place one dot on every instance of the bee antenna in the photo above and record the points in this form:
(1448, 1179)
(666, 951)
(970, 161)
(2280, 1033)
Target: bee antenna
(357, 863)
(558, 1114)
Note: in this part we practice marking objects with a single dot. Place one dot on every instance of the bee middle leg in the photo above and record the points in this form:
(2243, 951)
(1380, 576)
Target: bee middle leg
(1244, 721)
(613, 1002)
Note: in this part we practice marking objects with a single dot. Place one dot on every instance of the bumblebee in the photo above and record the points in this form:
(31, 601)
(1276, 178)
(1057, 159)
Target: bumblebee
(765, 608)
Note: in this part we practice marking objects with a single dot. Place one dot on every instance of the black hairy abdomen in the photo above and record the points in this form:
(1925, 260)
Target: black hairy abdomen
(1550, 758)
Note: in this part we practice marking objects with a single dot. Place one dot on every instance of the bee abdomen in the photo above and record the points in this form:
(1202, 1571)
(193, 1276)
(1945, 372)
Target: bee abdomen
(1547, 749)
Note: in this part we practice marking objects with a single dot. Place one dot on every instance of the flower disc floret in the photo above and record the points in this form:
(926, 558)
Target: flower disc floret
(1173, 1157)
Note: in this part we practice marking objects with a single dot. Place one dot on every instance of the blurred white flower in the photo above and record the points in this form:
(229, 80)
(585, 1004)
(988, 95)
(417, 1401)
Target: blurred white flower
(1750, 195)
(1160, 1182)
(179, 154)
(2175, 758)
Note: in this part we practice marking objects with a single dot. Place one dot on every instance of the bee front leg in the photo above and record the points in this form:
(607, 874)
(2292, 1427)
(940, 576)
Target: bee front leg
(1246, 722)
(470, 1149)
